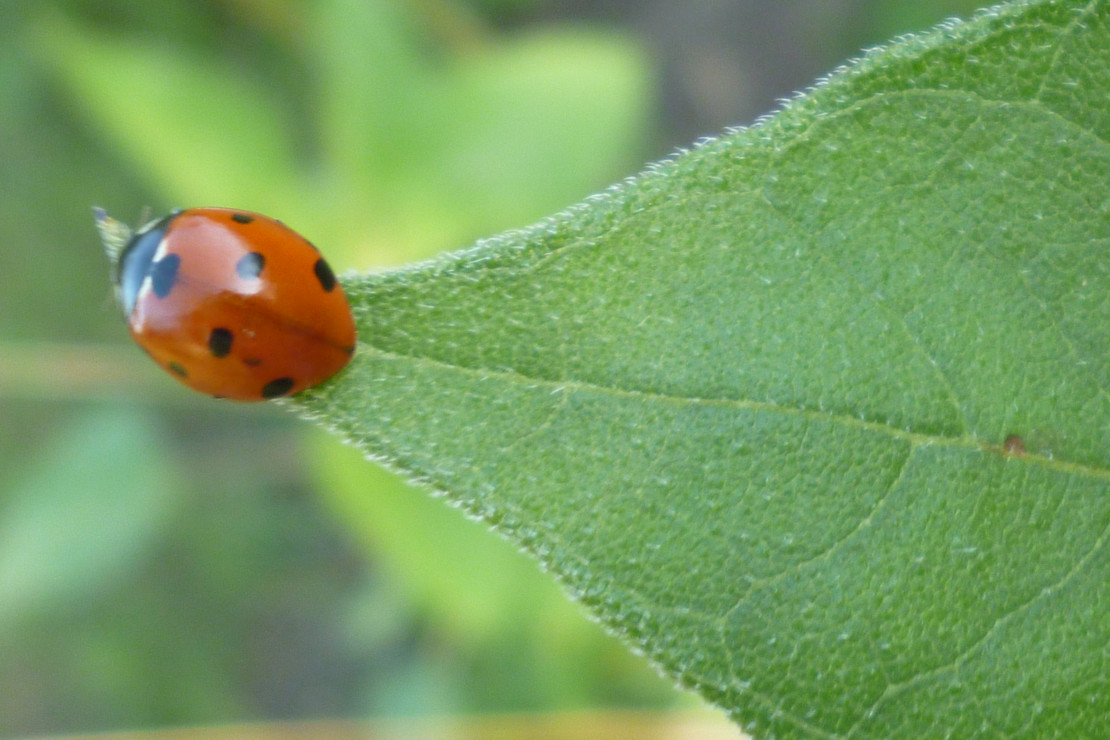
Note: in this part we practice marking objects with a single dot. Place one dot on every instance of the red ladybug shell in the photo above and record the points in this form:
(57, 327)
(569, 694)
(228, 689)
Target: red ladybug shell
(234, 304)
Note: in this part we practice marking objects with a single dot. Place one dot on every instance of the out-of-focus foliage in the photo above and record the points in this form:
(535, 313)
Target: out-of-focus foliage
(168, 559)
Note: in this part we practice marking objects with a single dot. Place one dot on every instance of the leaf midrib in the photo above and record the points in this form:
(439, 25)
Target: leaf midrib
(915, 439)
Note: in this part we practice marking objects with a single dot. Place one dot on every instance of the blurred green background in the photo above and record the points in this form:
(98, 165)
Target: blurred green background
(167, 559)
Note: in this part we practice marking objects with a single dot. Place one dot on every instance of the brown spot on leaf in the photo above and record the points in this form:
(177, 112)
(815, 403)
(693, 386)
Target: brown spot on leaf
(1014, 445)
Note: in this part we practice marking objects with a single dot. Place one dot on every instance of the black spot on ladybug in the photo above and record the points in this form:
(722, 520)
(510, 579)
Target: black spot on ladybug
(219, 342)
(324, 275)
(349, 350)
(178, 369)
(250, 265)
(277, 387)
(163, 275)
(241, 218)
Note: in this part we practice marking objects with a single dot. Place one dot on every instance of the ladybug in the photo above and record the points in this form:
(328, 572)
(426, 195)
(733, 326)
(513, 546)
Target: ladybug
(231, 303)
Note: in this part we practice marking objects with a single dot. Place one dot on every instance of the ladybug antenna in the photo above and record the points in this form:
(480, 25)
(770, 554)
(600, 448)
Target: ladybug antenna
(114, 234)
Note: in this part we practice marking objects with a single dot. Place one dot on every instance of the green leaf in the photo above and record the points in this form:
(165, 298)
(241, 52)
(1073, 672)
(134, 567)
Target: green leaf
(751, 406)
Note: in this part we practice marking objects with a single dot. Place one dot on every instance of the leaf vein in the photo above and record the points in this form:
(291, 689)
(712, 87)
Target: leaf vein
(964, 441)
(980, 643)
